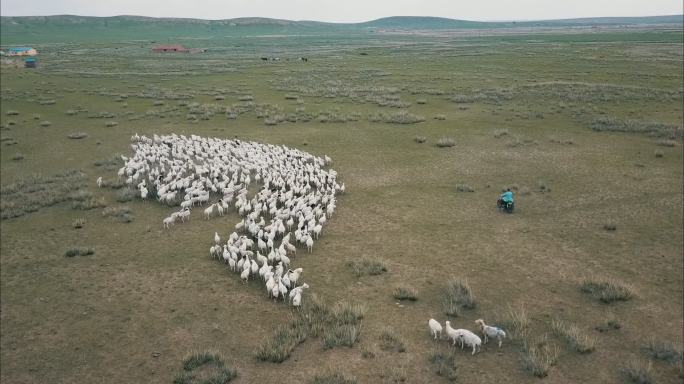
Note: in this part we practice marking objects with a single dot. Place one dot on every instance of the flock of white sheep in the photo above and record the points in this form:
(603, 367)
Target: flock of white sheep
(466, 337)
(294, 194)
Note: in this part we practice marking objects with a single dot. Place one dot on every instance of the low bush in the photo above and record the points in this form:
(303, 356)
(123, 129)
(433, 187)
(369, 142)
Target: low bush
(637, 372)
(446, 142)
(405, 293)
(539, 356)
(606, 289)
(214, 369)
(366, 266)
(79, 251)
(445, 364)
(333, 378)
(457, 295)
(391, 341)
(464, 188)
(573, 335)
(77, 135)
(665, 351)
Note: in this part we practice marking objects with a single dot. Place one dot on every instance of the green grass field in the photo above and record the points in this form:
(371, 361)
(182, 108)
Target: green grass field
(585, 126)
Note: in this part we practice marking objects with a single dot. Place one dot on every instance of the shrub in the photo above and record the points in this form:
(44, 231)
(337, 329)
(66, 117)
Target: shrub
(123, 214)
(654, 128)
(365, 266)
(70, 112)
(12, 112)
(664, 351)
(333, 378)
(659, 153)
(77, 135)
(111, 124)
(217, 371)
(606, 289)
(637, 372)
(440, 117)
(446, 142)
(666, 143)
(610, 225)
(157, 103)
(45, 123)
(464, 188)
(34, 192)
(79, 251)
(456, 295)
(539, 356)
(421, 101)
(576, 339)
(398, 117)
(18, 156)
(367, 353)
(78, 223)
(500, 132)
(445, 363)
(611, 322)
(420, 139)
(516, 322)
(126, 194)
(36, 116)
(246, 98)
(405, 293)
(390, 340)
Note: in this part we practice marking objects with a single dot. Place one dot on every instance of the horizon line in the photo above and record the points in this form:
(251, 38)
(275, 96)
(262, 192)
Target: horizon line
(354, 22)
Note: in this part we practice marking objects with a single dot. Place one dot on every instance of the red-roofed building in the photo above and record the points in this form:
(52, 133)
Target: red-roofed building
(169, 48)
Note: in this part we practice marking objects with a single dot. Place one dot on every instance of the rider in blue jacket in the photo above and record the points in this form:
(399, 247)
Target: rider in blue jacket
(507, 197)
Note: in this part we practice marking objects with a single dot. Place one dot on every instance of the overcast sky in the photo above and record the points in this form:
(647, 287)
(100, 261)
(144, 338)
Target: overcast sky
(346, 10)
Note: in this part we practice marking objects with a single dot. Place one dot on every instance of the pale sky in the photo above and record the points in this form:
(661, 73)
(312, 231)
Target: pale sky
(346, 10)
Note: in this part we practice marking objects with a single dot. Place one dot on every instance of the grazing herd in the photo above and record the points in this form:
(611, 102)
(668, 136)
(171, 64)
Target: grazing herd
(466, 337)
(293, 195)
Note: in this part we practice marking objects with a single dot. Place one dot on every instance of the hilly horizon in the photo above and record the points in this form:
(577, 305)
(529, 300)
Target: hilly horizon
(36, 29)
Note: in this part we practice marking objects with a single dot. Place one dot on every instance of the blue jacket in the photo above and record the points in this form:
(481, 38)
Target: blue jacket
(507, 196)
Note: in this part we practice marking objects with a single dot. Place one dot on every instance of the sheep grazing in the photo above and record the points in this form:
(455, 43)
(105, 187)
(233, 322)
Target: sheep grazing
(451, 333)
(491, 332)
(435, 328)
(470, 339)
(294, 190)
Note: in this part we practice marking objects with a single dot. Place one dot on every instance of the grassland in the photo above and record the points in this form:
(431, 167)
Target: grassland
(521, 110)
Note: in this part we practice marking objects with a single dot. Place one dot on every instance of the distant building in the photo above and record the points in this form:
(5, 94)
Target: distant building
(22, 51)
(169, 48)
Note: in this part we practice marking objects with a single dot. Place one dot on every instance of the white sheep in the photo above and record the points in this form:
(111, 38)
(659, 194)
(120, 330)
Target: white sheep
(489, 331)
(169, 221)
(435, 328)
(468, 338)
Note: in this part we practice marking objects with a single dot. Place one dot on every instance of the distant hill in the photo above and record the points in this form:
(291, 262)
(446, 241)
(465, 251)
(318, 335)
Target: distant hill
(64, 28)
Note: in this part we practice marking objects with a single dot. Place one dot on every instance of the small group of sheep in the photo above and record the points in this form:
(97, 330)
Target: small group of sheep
(466, 337)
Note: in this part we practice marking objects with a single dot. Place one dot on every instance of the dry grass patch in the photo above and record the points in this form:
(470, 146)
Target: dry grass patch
(333, 378)
(665, 351)
(444, 363)
(391, 340)
(637, 372)
(405, 293)
(207, 367)
(370, 267)
(79, 251)
(516, 323)
(35, 192)
(446, 142)
(457, 295)
(539, 355)
(574, 336)
(77, 135)
(121, 213)
(606, 289)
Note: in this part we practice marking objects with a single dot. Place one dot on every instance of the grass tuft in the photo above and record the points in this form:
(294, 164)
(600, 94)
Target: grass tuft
(333, 378)
(665, 351)
(606, 289)
(457, 295)
(420, 139)
(610, 225)
(77, 135)
(370, 267)
(391, 341)
(79, 251)
(445, 363)
(539, 356)
(516, 322)
(217, 371)
(464, 188)
(446, 142)
(573, 335)
(637, 372)
(405, 293)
